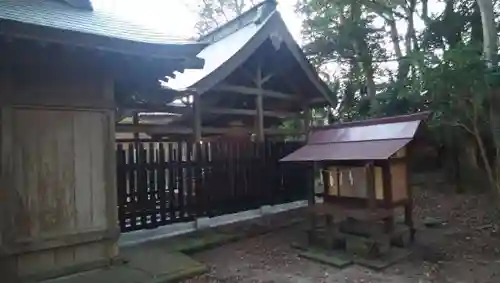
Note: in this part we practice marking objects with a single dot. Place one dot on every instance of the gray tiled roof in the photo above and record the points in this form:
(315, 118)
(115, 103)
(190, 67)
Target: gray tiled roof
(60, 15)
(234, 42)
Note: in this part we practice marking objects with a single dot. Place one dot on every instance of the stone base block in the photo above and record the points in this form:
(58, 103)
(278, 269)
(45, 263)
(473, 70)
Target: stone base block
(266, 209)
(367, 247)
(401, 237)
(361, 228)
(202, 223)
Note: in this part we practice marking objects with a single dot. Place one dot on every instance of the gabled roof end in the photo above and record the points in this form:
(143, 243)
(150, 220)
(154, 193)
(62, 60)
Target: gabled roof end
(257, 14)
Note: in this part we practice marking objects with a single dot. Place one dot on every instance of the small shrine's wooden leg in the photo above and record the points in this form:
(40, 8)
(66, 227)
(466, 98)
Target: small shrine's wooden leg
(409, 206)
(387, 191)
(409, 220)
(330, 231)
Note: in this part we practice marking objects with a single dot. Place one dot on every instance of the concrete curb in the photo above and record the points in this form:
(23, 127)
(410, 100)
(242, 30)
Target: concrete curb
(142, 236)
(180, 275)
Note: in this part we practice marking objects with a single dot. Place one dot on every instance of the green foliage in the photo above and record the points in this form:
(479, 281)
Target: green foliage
(439, 67)
(214, 13)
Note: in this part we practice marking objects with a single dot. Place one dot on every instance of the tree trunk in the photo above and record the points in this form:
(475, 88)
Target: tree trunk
(489, 31)
(394, 36)
(361, 49)
(490, 49)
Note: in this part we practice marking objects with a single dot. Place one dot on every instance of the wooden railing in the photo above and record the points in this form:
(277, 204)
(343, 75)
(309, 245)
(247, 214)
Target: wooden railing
(162, 182)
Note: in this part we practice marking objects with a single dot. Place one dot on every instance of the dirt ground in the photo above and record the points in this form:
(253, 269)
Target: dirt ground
(465, 249)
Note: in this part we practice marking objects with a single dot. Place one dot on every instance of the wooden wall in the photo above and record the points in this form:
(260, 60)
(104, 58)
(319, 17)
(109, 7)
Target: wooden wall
(58, 202)
(348, 181)
(352, 182)
(399, 181)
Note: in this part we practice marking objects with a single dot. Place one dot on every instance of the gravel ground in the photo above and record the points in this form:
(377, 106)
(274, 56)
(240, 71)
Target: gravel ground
(466, 249)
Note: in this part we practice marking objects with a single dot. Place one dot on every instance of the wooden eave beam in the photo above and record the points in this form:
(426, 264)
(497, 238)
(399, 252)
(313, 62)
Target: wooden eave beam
(162, 129)
(267, 93)
(210, 110)
(164, 108)
(248, 112)
(184, 54)
(169, 129)
(256, 91)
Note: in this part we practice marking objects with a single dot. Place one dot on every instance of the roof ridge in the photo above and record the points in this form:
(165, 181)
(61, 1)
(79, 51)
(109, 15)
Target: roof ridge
(241, 21)
(79, 4)
(377, 121)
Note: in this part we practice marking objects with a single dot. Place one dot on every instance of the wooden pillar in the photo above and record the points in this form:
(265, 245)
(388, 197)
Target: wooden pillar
(306, 119)
(311, 178)
(196, 117)
(259, 104)
(135, 122)
(260, 118)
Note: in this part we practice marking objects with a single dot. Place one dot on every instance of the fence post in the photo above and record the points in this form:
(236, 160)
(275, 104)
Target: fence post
(121, 182)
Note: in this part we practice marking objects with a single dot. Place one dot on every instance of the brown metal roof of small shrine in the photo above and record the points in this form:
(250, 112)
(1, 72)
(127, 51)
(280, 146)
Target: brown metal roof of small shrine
(75, 22)
(373, 139)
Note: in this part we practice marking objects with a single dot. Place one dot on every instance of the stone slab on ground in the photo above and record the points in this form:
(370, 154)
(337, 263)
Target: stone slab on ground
(160, 262)
(196, 241)
(393, 256)
(336, 259)
(256, 227)
(122, 274)
(144, 264)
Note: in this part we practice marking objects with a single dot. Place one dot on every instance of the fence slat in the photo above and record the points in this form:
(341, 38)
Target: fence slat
(153, 190)
(180, 180)
(162, 185)
(142, 186)
(171, 184)
(188, 175)
(133, 206)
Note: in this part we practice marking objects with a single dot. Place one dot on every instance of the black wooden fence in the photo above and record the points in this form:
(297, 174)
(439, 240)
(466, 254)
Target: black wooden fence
(160, 183)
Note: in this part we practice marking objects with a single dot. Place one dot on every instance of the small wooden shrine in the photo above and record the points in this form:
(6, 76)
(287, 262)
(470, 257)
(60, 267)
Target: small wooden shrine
(364, 168)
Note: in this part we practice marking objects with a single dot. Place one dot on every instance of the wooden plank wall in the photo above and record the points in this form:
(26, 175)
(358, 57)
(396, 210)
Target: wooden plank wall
(58, 169)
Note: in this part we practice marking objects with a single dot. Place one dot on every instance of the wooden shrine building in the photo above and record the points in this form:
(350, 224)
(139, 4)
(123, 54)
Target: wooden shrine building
(212, 147)
(255, 76)
(62, 67)
(364, 166)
